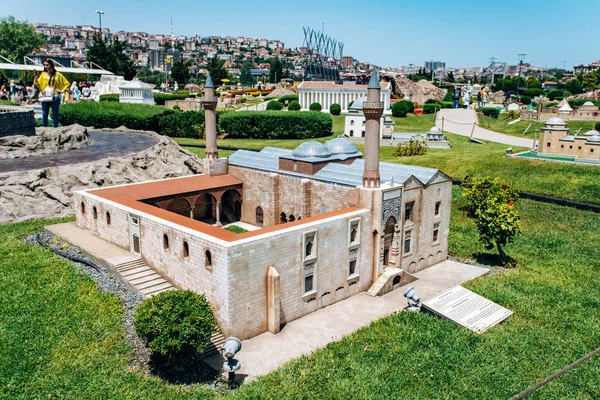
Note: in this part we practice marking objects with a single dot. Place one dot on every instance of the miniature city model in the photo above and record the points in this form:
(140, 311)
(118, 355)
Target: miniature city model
(555, 139)
(329, 225)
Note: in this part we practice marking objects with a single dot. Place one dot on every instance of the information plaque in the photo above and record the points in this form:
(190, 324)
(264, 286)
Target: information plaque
(467, 309)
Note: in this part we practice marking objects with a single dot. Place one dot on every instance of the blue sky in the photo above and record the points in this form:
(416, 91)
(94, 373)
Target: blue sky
(387, 33)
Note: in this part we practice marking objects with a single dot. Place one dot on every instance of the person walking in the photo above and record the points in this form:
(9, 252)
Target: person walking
(51, 84)
(466, 99)
(484, 98)
(456, 98)
(480, 98)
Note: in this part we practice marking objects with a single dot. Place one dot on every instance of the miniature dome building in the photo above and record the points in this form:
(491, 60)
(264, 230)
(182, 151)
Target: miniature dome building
(341, 146)
(591, 133)
(355, 124)
(311, 149)
(555, 139)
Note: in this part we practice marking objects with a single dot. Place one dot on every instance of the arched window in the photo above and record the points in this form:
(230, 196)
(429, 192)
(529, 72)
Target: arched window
(83, 208)
(323, 209)
(292, 218)
(259, 215)
(309, 248)
(208, 260)
(165, 241)
(186, 250)
(107, 218)
(95, 212)
(282, 218)
(351, 132)
(351, 122)
(363, 133)
(353, 235)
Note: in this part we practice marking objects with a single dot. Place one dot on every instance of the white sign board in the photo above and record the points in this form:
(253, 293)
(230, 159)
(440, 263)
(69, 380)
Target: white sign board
(467, 309)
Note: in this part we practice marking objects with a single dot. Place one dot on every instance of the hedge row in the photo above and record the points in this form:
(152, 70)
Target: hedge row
(276, 125)
(288, 98)
(161, 98)
(109, 97)
(490, 111)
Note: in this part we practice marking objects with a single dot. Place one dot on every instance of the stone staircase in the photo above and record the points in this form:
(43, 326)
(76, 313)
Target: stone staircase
(143, 278)
(385, 283)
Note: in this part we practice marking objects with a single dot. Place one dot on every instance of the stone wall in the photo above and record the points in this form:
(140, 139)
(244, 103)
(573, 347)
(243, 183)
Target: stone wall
(16, 121)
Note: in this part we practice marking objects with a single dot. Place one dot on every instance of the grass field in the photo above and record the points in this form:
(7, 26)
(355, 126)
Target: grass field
(518, 128)
(62, 338)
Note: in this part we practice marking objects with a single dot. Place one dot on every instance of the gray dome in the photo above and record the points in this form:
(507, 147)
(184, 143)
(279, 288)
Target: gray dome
(595, 139)
(591, 133)
(555, 121)
(341, 146)
(311, 149)
(588, 103)
(358, 103)
(435, 130)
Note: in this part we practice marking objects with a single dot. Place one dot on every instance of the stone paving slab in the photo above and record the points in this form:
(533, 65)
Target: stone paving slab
(266, 352)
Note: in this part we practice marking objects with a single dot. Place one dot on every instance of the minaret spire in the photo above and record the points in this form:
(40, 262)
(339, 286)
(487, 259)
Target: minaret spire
(373, 109)
(209, 100)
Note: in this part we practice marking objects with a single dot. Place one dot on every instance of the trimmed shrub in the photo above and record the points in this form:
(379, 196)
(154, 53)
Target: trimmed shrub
(243, 100)
(550, 104)
(335, 109)
(276, 125)
(236, 229)
(554, 93)
(580, 102)
(431, 101)
(446, 104)
(399, 109)
(409, 105)
(430, 108)
(526, 100)
(490, 111)
(113, 115)
(175, 323)
(533, 92)
(161, 98)
(188, 124)
(288, 98)
(274, 105)
(315, 107)
(448, 96)
(294, 106)
(597, 126)
(109, 97)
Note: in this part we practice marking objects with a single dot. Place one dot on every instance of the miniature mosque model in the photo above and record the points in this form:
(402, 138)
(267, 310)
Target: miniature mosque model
(328, 224)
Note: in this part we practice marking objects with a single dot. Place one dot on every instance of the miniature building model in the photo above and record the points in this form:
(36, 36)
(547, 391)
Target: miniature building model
(328, 93)
(136, 92)
(355, 121)
(555, 139)
(329, 224)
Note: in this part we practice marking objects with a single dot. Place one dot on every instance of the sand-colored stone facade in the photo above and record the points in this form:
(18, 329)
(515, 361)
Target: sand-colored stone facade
(555, 139)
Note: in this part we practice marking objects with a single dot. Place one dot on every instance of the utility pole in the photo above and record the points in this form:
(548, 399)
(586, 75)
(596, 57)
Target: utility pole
(100, 20)
(521, 58)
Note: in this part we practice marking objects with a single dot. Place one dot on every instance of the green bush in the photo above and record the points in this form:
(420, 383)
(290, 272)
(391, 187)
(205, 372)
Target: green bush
(550, 104)
(448, 96)
(113, 115)
(554, 93)
(580, 102)
(161, 98)
(526, 100)
(490, 111)
(477, 191)
(276, 125)
(236, 229)
(409, 105)
(274, 105)
(243, 100)
(288, 98)
(175, 323)
(430, 108)
(431, 101)
(399, 109)
(109, 97)
(315, 107)
(188, 124)
(335, 109)
(533, 92)
(294, 106)
(446, 104)
(597, 126)
(416, 146)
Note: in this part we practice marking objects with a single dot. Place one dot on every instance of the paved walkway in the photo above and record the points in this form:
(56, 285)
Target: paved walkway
(257, 107)
(461, 122)
(266, 352)
(104, 145)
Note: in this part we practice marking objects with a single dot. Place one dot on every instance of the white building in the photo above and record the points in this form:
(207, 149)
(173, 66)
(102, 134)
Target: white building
(355, 121)
(328, 93)
(136, 92)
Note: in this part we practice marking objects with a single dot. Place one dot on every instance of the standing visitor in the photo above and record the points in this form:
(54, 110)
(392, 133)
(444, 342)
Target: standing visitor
(176, 87)
(507, 97)
(480, 98)
(484, 98)
(456, 98)
(466, 99)
(52, 84)
(86, 91)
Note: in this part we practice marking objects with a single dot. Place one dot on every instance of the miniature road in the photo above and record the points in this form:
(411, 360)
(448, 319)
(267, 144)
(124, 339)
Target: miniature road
(104, 145)
(266, 352)
(461, 123)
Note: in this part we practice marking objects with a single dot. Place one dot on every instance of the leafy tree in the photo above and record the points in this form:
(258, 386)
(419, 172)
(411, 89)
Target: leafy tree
(111, 56)
(175, 323)
(275, 70)
(180, 72)
(17, 39)
(492, 205)
(153, 77)
(574, 86)
(450, 77)
(217, 70)
(554, 93)
(245, 75)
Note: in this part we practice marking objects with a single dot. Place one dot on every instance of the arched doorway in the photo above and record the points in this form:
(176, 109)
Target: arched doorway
(180, 206)
(388, 238)
(230, 211)
(205, 208)
(282, 218)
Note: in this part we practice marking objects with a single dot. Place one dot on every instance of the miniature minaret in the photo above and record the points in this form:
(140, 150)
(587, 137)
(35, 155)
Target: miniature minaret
(209, 100)
(372, 108)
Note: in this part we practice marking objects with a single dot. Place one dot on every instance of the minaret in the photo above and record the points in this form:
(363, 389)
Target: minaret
(209, 101)
(372, 108)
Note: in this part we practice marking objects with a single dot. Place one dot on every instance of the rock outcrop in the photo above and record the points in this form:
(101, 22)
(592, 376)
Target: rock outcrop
(46, 193)
(418, 92)
(46, 141)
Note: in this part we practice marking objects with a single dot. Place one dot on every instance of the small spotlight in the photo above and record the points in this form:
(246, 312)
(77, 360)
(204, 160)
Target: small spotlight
(413, 299)
(230, 348)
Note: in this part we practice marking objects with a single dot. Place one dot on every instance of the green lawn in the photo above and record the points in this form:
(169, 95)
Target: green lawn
(518, 128)
(62, 338)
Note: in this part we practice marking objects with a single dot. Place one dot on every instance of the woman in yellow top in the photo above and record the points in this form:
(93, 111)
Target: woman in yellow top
(51, 84)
